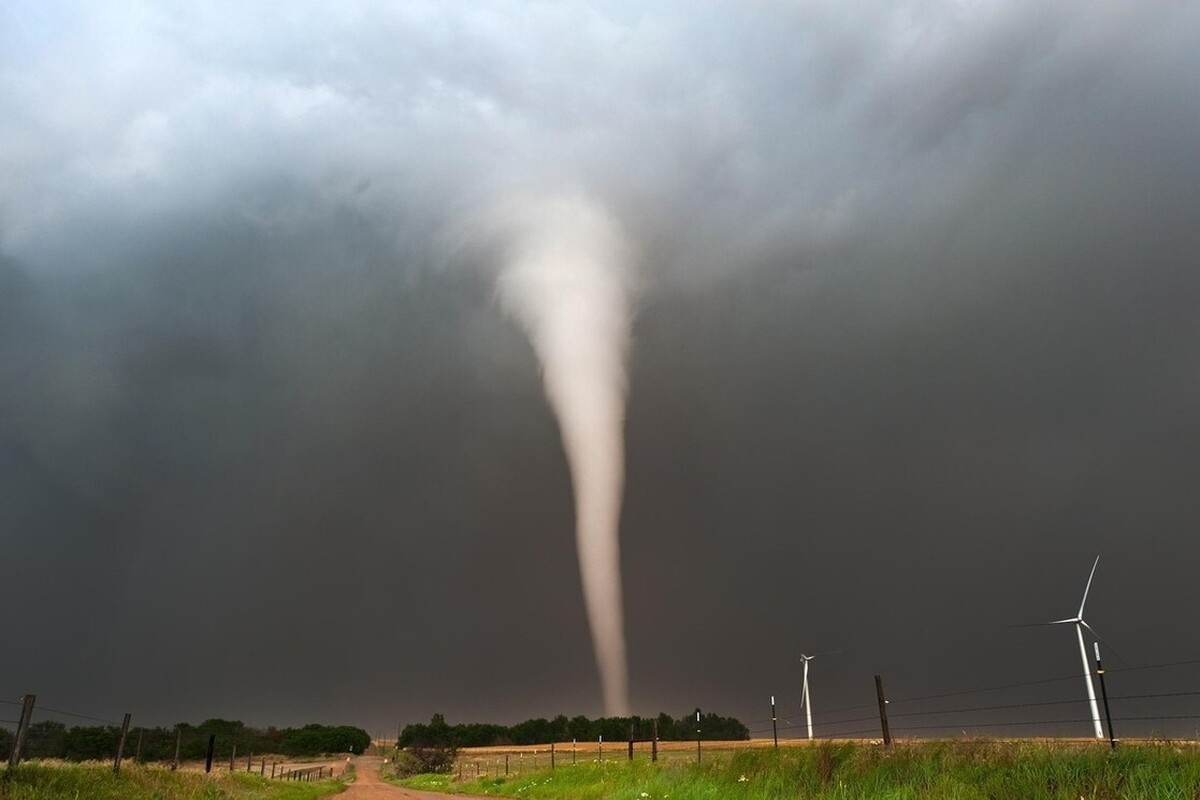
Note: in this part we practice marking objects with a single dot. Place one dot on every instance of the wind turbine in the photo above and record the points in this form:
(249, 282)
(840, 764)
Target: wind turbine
(805, 697)
(1080, 624)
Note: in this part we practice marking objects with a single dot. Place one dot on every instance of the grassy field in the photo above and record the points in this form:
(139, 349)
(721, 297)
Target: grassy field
(962, 770)
(94, 781)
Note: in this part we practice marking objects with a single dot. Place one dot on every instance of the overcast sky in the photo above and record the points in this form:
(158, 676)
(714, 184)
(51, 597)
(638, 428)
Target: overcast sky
(915, 340)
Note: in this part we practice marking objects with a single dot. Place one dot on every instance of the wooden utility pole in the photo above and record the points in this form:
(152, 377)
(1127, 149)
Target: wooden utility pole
(121, 745)
(887, 734)
(22, 726)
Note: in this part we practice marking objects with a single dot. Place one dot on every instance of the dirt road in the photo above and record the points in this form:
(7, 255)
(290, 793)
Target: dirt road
(368, 786)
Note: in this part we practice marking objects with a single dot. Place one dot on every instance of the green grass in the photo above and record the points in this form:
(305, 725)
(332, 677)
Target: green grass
(94, 781)
(949, 770)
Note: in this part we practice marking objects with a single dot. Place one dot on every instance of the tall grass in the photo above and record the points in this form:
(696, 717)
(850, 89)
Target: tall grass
(95, 781)
(948, 770)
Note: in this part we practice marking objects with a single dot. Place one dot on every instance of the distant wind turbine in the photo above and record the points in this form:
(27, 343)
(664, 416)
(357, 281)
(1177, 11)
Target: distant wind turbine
(805, 697)
(1080, 624)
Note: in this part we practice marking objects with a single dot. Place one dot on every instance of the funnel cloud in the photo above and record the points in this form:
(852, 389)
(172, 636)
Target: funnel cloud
(565, 280)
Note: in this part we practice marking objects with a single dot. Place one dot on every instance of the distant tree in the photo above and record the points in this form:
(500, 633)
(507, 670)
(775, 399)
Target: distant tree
(91, 743)
(46, 739)
(666, 728)
(580, 728)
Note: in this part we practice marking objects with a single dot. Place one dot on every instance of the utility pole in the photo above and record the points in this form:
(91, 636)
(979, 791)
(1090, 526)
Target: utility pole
(121, 745)
(887, 734)
(1112, 736)
(22, 726)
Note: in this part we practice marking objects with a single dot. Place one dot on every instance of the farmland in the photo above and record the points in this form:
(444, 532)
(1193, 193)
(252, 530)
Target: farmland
(929, 770)
(53, 780)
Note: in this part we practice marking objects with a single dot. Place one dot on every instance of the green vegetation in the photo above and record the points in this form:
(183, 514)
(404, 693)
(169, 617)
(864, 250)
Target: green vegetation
(561, 729)
(962, 770)
(50, 739)
(32, 781)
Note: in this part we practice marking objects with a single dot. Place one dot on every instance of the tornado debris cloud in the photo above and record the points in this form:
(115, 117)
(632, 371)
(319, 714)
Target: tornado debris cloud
(565, 278)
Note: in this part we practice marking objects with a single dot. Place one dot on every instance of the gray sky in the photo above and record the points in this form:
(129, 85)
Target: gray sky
(915, 341)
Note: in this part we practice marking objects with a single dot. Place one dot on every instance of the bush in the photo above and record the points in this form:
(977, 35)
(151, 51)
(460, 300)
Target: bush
(421, 760)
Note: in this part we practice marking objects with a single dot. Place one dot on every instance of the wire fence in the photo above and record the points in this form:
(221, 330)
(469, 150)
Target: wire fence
(42, 732)
(1065, 714)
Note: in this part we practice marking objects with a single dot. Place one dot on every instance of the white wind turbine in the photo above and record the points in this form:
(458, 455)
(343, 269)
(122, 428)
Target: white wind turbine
(1080, 624)
(805, 697)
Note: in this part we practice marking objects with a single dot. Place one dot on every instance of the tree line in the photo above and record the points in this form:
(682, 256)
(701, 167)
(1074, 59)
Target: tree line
(50, 739)
(439, 733)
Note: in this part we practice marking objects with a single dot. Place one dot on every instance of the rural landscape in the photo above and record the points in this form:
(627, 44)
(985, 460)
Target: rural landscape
(596, 399)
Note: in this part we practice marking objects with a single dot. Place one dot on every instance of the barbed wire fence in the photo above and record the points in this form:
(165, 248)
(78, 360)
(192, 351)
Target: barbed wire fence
(924, 716)
(910, 718)
(39, 731)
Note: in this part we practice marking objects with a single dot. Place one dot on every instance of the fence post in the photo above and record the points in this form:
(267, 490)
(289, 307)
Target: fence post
(22, 726)
(774, 724)
(697, 736)
(121, 745)
(552, 755)
(249, 758)
(272, 770)
(654, 742)
(506, 764)
(631, 741)
(137, 753)
(212, 743)
(262, 768)
(178, 737)
(887, 734)
(232, 756)
(1112, 736)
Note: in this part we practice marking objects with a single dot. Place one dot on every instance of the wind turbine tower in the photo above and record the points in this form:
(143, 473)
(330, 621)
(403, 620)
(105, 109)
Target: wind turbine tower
(1080, 624)
(805, 697)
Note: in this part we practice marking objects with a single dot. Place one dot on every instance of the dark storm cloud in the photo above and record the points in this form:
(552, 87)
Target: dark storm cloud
(916, 339)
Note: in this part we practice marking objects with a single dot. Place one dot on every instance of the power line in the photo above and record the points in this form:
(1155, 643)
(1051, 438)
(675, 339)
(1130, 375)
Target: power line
(45, 710)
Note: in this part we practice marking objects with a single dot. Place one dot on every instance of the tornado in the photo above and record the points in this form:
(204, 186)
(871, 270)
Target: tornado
(566, 279)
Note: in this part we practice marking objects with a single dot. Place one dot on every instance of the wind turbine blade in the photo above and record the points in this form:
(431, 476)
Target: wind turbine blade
(1070, 621)
(1087, 588)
